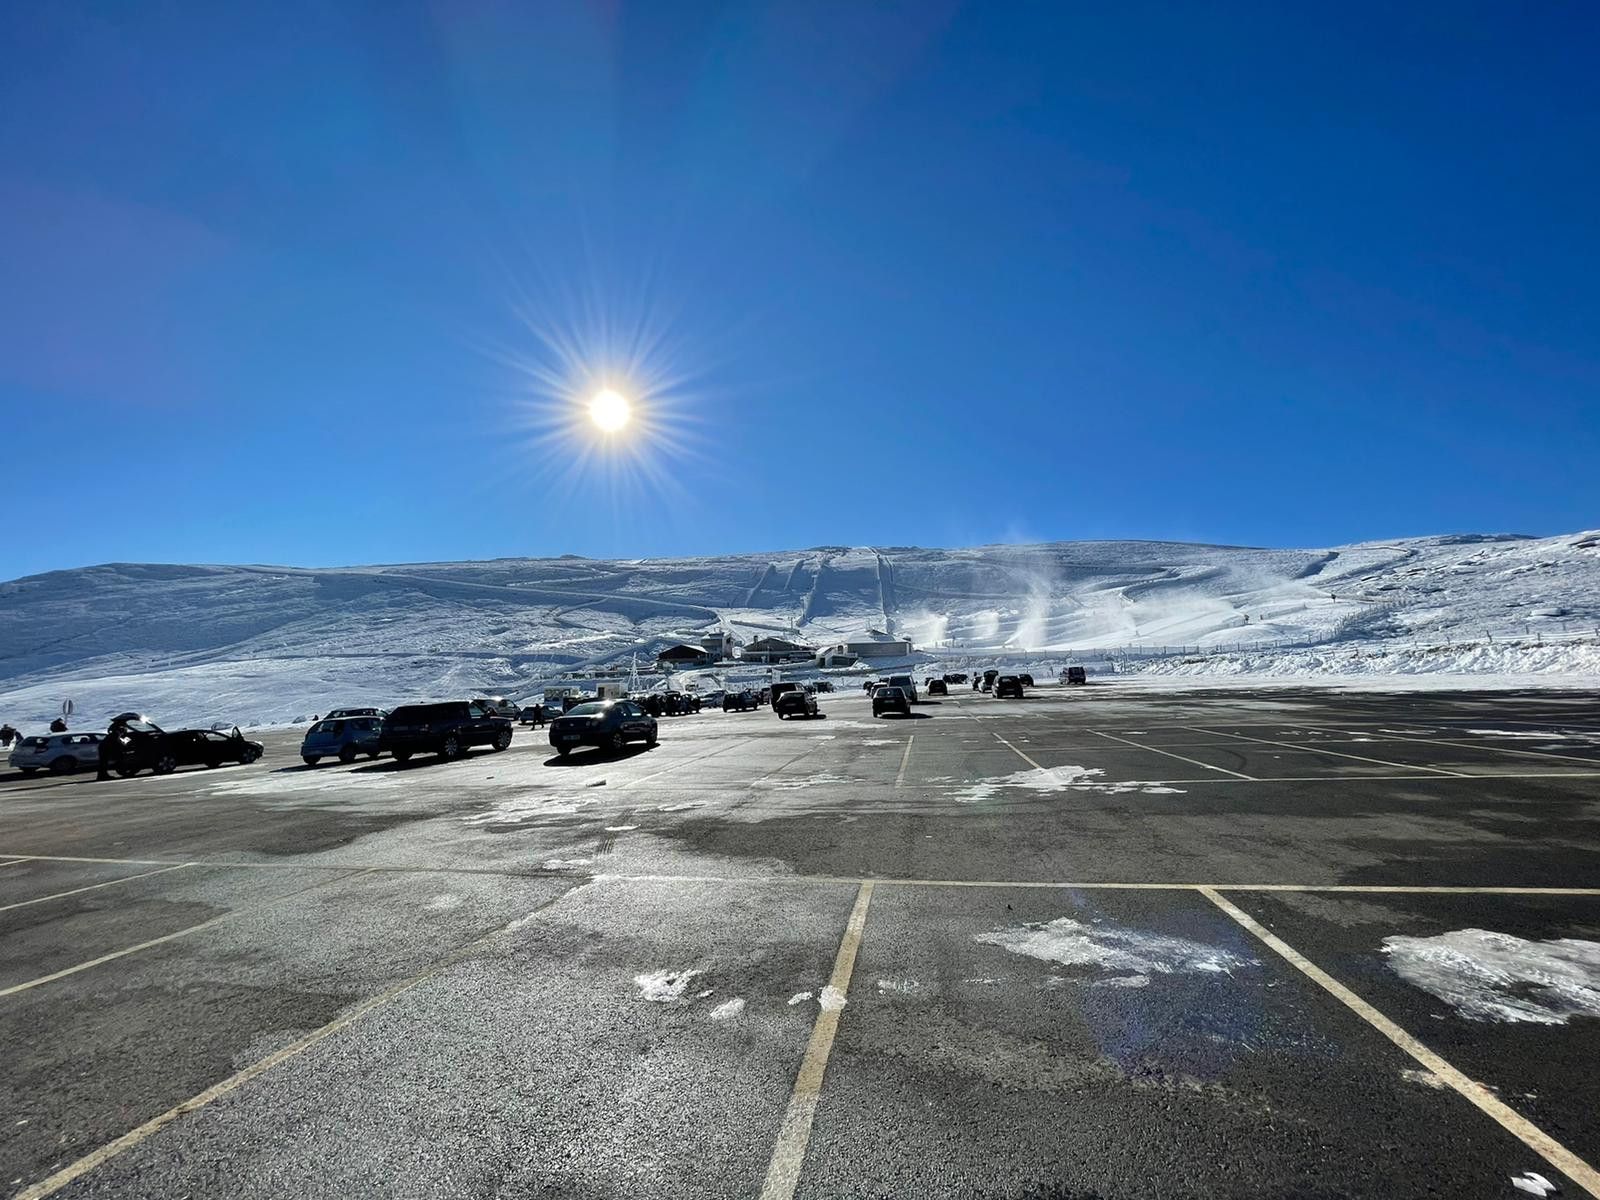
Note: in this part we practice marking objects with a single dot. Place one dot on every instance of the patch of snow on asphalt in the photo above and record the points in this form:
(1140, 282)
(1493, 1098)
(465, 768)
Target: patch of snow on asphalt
(1113, 948)
(906, 987)
(561, 864)
(444, 902)
(620, 828)
(1487, 976)
(1534, 1184)
(1539, 735)
(680, 807)
(1059, 779)
(832, 999)
(663, 987)
(799, 998)
(1126, 981)
(1426, 1078)
(728, 1009)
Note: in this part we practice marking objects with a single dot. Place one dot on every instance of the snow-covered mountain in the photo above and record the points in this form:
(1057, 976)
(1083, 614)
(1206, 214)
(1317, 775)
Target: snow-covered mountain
(274, 643)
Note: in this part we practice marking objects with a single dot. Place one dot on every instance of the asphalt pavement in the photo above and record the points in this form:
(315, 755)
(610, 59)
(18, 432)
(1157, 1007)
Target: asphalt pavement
(1101, 942)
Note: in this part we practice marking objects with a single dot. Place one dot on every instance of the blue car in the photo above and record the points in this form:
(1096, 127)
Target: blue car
(343, 738)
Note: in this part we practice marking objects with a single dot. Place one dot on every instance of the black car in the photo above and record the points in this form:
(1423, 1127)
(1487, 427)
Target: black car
(1027, 680)
(798, 703)
(938, 687)
(744, 701)
(1008, 685)
(987, 682)
(1077, 675)
(956, 677)
(210, 748)
(780, 689)
(447, 729)
(890, 699)
(145, 746)
(608, 724)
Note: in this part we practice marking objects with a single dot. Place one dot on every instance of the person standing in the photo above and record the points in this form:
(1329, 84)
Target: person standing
(111, 752)
(538, 716)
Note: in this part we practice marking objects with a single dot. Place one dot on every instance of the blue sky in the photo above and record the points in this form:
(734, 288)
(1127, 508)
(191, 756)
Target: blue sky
(281, 282)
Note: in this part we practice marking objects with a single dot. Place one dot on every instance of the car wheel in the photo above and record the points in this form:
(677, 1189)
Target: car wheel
(615, 743)
(213, 763)
(372, 754)
(310, 760)
(347, 754)
(166, 764)
(650, 738)
(401, 756)
(251, 755)
(563, 751)
(502, 740)
(65, 765)
(450, 747)
(127, 772)
(30, 770)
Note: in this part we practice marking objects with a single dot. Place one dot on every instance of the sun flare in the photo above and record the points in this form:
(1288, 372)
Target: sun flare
(610, 411)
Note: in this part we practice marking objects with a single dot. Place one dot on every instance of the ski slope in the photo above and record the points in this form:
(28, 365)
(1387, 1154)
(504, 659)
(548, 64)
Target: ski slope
(260, 644)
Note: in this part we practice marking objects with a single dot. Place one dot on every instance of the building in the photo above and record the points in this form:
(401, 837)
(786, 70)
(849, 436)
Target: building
(873, 644)
(679, 657)
(719, 644)
(777, 650)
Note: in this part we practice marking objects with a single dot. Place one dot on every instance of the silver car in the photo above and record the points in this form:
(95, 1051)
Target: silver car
(59, 753)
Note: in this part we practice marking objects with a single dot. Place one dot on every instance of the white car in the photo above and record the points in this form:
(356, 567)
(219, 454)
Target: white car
(59, 753)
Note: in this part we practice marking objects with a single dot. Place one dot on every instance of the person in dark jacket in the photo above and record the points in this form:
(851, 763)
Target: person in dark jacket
(538, 716)
(58, 726)
(111, 752)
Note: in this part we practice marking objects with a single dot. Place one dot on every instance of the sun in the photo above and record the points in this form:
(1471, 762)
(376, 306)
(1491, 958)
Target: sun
(610, 411)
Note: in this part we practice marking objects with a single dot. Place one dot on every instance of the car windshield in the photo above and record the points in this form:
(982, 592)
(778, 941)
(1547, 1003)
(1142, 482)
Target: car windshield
(592, 709)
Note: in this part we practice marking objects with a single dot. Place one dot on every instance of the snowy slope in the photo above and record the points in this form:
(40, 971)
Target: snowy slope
(275, 643)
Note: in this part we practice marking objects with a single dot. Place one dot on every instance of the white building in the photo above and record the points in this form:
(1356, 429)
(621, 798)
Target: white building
(874, 643)
(719, 643)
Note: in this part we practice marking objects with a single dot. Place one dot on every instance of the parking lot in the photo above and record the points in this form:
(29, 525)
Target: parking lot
(1100, 942)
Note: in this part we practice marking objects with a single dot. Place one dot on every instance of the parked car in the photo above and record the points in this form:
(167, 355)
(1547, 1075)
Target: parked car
(744, 701)
(212, 747)
(1008, 685)
(1027, 680)
(608, 724)
(988, 679)
(497, 706)
(797, 703)
(890, 699)
(334, 714)
(343, 738)
(938, 687)
(58, 753)
(906, 684)
(956, 677)
(824, 685)
(447, 729)
(1077, 675)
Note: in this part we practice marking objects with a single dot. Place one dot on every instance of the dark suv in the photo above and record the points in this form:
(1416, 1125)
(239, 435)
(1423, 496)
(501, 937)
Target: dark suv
(1077, 675)
(446, 729)
(1008, 685)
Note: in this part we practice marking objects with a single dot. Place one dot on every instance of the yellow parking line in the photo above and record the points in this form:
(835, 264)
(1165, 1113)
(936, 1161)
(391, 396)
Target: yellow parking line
(1195, 762)
(682, 762)
(1487, 749)
(1025, 758)
(1382, 762)
(93, 887)
(76, 1170)
(905, 760)
(1536, 1139)
(134, 949)
(783, 1172)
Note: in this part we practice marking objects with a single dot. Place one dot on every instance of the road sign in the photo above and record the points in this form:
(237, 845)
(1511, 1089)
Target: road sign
(66, 708)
